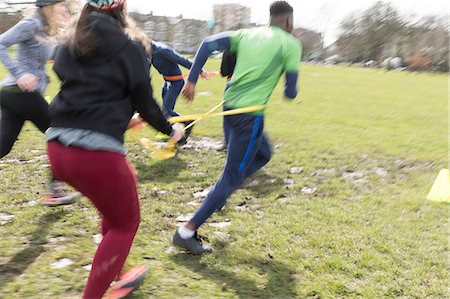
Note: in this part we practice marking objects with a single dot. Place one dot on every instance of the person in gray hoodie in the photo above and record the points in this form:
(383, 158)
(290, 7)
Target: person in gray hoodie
(21, 95)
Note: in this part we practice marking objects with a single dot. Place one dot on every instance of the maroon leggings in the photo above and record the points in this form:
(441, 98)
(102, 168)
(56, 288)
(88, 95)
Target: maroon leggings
(109, 181)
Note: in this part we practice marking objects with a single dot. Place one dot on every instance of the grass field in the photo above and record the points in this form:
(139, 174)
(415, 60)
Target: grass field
(354, 223)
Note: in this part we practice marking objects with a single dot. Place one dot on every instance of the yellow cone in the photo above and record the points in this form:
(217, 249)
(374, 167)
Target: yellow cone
(441, 188)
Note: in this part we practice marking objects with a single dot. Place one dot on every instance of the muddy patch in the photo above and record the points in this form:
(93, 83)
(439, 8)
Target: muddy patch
(203, 143)
(31, 160)
(367, 170)
(202, 194)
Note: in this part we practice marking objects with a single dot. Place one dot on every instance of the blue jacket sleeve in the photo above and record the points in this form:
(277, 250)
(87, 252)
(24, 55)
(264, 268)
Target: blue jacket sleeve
(291, 89)
(220, 41)
(22, 31)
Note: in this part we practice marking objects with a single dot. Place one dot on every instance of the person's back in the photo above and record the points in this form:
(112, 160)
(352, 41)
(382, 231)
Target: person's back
(264, 54)
(101, 90)
(105, 78)
(166, 61)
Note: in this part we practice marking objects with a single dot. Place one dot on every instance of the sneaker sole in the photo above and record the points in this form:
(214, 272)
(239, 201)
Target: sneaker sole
(61, 201)
(132, 279)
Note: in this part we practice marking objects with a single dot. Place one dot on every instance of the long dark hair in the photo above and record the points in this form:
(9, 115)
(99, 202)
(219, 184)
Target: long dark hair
(84, 40)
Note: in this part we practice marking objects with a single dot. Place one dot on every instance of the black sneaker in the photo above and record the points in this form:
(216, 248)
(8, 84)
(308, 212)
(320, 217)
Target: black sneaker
(187, 133)
(192, 245)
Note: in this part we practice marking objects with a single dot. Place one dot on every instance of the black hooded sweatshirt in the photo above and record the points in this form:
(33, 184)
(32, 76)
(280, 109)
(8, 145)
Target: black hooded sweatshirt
(101, 91)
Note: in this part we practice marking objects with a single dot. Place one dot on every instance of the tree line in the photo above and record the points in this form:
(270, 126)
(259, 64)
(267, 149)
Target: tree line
(381, 32)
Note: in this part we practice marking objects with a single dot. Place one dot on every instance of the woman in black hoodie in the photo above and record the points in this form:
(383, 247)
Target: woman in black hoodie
(104, 79)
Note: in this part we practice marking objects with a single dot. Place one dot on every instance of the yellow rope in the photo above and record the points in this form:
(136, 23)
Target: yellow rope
(196, 117)
(170, 150)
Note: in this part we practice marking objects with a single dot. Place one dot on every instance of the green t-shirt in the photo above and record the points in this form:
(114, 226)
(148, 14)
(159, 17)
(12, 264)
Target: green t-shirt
(263, 55)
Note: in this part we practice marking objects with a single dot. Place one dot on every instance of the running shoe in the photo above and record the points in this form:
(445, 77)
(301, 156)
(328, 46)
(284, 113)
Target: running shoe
(128, 282)
(58, 195)
(192, 245)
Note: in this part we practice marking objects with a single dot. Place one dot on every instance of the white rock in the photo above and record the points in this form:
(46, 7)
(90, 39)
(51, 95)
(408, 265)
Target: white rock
(353, 175)
(289, 183)
(62, 263)
(220, 224)
(170, 250)
(204, 94)
(200, 173)
(307, 190)
(13, 161)
(30, 203)
(97, 239)
(222, 235)
(6, 218)
(57, 240)
(284, 199)
(202, 194)
(253, 183)
(88, 267)
(185, 218)
(296, 170)
(381, 172)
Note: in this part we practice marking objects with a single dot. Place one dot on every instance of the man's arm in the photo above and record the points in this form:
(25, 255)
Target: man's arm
(291, 88)
(292, 61)
(220, 41)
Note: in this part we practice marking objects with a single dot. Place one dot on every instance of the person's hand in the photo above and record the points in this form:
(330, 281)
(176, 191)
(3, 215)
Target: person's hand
(136, 122)
(28, 82)
(206, 75)
(189, 91)
(178, 132)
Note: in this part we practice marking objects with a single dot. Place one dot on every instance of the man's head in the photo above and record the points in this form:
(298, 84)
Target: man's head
(282, 15)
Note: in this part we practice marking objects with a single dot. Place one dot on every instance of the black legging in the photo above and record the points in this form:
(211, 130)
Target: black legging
(17, 107)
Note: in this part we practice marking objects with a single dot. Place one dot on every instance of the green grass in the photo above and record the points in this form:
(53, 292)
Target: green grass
(370, 141)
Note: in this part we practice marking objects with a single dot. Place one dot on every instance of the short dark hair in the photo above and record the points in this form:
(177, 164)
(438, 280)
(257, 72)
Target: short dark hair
(279, 8)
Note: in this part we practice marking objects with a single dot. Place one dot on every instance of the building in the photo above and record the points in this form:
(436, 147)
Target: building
(231, 17)
(7, 20)
(183, 35)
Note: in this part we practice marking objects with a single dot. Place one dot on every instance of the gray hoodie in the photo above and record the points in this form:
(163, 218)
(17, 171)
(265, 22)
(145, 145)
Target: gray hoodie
(32, 52)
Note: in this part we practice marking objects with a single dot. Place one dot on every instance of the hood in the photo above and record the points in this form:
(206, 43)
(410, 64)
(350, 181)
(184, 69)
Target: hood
(109, 38)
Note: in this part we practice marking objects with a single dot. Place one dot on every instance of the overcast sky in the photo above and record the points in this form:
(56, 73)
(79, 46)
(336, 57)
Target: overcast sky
(320, 15)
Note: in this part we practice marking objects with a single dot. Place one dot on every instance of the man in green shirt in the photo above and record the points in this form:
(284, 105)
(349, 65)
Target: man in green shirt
(264, 54)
